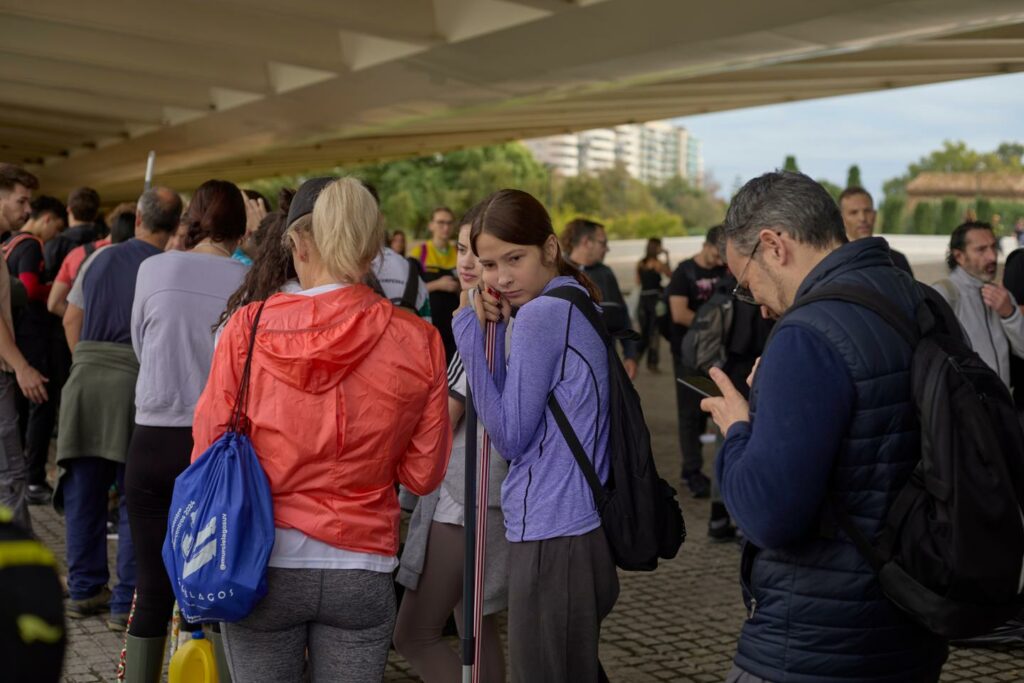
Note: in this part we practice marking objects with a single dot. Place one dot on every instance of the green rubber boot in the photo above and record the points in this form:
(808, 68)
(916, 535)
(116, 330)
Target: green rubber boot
(144, 659)
(219, 656)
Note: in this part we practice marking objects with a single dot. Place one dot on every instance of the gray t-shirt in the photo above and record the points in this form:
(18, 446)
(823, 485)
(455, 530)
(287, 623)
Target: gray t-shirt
(179, 297)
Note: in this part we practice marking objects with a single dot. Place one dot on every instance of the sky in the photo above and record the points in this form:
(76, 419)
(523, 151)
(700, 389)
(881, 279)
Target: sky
(882, 132)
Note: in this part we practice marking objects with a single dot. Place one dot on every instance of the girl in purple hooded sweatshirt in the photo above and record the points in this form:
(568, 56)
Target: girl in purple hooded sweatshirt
(562, 580)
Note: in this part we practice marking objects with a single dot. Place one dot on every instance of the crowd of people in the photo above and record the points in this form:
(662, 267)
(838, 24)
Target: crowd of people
(130, 334)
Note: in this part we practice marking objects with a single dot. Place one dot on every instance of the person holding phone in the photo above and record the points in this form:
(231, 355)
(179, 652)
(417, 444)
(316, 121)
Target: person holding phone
(562, 579)
(830, 421)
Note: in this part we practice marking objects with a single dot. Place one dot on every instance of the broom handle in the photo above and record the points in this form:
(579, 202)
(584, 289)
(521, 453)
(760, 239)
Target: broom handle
(483, 484)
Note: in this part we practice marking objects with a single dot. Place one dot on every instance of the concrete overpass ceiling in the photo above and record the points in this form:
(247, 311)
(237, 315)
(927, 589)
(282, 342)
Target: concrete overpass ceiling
(249, 88)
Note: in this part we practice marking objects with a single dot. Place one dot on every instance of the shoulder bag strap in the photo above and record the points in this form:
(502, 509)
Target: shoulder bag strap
(239, 419)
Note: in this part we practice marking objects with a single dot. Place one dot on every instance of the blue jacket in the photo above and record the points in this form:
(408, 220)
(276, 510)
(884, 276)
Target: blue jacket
(831, 412)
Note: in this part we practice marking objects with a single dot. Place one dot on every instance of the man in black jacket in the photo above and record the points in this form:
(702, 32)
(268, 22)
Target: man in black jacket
(585, 244)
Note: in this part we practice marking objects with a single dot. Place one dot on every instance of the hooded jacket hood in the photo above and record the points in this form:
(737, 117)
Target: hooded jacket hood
(313, 342)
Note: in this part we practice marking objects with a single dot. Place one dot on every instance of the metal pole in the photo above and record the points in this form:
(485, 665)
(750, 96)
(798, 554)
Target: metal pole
(149, 170)
(483, 486)
(469, 561)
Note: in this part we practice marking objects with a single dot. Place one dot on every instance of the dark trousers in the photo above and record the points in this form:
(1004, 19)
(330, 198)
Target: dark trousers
(85, 486)
(51, 358)
(559, 592)
(692, 423)
(156, 456)
(650, 337)
(13, 465)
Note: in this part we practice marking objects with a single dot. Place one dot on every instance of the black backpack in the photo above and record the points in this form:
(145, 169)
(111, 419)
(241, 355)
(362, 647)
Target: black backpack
(951, 552)
(639, 512)
(706, 342)
(412, 287)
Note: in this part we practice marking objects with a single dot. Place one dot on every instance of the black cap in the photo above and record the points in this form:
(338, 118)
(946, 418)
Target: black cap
(305, 198)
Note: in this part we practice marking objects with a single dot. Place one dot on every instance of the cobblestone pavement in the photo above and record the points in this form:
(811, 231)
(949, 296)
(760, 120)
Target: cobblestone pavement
(676, 624)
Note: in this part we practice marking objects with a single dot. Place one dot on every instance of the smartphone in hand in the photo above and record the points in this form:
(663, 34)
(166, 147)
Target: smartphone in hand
(702, 385)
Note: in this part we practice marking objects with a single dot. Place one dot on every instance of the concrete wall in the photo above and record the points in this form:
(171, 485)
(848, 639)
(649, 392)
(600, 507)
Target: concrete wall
(926, 253)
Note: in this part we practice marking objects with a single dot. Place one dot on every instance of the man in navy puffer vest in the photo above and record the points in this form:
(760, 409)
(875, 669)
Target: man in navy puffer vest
(830, 414)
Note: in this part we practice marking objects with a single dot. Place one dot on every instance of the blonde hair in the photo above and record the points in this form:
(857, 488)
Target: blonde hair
(347, 229)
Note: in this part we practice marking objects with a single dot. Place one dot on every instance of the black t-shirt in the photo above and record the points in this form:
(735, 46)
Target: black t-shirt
(60, 246)
(34, 321)
(650, 279)
(697, 284)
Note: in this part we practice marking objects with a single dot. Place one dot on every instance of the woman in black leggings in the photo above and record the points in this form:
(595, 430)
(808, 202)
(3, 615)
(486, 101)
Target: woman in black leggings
(178, 299)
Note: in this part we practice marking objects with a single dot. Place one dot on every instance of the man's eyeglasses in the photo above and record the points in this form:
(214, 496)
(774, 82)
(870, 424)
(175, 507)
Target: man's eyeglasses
(741, 292)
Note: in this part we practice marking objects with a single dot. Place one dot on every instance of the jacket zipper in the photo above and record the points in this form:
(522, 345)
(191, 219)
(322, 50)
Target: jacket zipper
(991, 339)
(526, 496)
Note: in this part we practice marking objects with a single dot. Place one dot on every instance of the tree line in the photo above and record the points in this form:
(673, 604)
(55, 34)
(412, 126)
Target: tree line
(411, 188)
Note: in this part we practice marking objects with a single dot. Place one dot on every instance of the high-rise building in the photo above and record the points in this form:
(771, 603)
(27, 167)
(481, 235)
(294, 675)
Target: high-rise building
(597, 150)
(561, 153)
(651, 152)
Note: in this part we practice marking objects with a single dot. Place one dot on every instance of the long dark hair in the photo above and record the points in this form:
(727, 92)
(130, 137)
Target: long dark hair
(653, 249)
(516, 217)
(217, 211)
(273, 264)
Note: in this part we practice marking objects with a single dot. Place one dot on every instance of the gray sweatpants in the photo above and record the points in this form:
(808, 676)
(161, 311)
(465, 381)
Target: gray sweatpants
(343, 617)
(559, 591)
(13, 464)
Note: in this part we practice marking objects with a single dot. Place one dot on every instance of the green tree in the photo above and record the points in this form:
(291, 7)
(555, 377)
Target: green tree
(957, 157)
(621, 193)
(923, 221)
(790, 164)
(697, 207)
(983, 209)
(1011, 154)
(831, 187)
(582, 194)
(853, 177)
(646, 225)
(891, 213)
(949, 215)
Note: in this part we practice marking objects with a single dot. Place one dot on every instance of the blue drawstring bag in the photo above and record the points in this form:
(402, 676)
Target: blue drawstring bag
(220, 528)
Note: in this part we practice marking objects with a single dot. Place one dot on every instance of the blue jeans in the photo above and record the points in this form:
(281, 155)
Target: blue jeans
(85, 486)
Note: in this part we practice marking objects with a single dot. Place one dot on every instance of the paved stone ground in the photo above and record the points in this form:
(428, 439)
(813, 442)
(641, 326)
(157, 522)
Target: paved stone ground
(676, 624)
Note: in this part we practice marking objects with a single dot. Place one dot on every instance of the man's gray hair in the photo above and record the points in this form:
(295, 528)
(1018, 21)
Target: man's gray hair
(160, 209)
(786, 201)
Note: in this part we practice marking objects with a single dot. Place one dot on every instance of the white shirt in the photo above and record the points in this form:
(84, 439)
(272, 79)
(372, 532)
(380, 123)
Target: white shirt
(392, 272)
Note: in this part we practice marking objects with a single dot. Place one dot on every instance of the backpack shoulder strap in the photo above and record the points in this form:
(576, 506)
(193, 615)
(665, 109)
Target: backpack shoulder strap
(13, 243)
(585, 305)
(412, 285)
(580, 455)
(868, 299)
(89, 248)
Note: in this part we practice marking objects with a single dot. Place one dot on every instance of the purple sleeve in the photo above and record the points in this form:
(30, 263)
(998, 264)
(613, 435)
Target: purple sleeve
(511, 404)
(774, 471)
